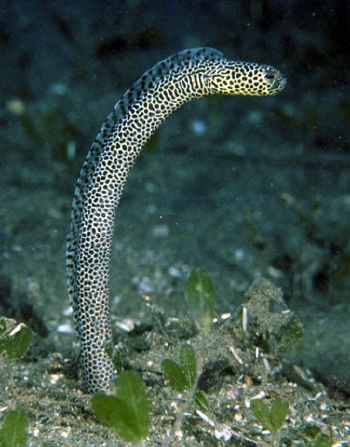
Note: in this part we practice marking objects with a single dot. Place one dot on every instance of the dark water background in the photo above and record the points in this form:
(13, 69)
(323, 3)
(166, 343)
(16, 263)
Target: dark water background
(244, 187)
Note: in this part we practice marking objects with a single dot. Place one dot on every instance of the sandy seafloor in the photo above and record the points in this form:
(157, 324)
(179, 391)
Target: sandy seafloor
(244, 187)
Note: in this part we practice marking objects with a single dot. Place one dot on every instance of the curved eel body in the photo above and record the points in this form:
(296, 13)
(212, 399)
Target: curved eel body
(185, 76)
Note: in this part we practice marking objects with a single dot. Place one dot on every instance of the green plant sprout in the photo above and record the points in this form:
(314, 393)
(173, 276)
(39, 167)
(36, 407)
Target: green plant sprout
(127, 412)
(182, 377)
(200, 298)
(15, 338)
(271, 419)
(315, 437)
(14, 429)
(321, 440)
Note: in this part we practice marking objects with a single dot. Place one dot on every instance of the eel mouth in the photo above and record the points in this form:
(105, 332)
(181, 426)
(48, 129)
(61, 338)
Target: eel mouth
(279, 83)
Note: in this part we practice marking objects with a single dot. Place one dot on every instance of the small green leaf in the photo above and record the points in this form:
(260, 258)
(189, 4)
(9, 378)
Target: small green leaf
(15, 338)
(131, 388)
(173, 373)
(262, 413)
(127, 413)
(200, 298)
(202, 402)
(106, 408)
(312, 431)
(323, 441)
(188, 364)
(116, 413)
(289, 336)
(14, 430)
(279, 412)
(273, 419)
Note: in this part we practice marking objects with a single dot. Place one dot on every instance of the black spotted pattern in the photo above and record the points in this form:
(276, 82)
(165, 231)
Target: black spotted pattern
(186, 75)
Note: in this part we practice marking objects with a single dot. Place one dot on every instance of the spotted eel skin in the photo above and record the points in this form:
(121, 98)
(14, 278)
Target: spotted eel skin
(182, 77)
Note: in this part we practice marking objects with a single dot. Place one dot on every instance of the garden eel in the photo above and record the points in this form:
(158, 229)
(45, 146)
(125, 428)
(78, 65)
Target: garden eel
(182, 77)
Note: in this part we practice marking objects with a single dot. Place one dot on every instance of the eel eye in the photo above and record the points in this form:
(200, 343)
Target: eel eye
(269, 75)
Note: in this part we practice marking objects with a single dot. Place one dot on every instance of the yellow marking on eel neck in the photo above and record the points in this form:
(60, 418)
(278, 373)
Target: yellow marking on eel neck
(187, 75)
